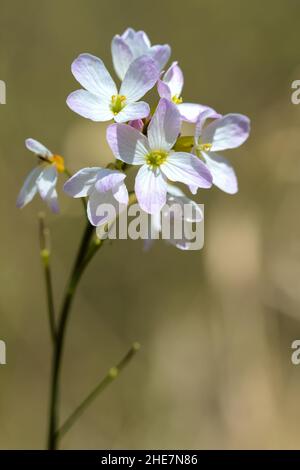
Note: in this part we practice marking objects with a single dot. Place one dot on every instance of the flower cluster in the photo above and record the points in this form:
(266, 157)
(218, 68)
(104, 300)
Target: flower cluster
(139, 136)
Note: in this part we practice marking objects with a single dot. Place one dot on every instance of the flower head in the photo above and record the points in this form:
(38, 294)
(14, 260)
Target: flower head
(101, 100)
(157, 159)
(101, 186)
(133, 44)
(43, 178)
(170, 87)
(230, 131)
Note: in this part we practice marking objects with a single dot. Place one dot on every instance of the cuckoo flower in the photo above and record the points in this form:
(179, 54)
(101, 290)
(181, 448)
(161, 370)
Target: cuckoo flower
(101, 100)
(170, 87)
(43, 178)
(183, 210)
(101, 186)
(133, 44)
(228, 132)
(154, 152)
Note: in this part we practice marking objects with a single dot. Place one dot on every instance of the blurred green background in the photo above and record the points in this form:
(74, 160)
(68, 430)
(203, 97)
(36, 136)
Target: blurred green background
(216, 326)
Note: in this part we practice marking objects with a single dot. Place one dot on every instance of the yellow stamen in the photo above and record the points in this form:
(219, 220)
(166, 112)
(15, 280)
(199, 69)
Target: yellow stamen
(156, 158)
(117, 103)
(177, 99)
(204, 147)
(58, 162)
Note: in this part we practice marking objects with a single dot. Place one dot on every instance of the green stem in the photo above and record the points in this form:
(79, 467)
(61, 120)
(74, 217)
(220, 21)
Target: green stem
(85, 253)
(76, 274)
(45, 257)
(110, 377)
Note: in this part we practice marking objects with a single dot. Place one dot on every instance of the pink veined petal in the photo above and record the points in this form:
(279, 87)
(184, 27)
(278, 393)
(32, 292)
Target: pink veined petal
(90, 106)
(161, 55)
(140, 78)
(174, 79)
(164, 90)
(188, 169)
(150, 189)
(80, 184)
(164, 126)
(127, 144)
(29, 188)
(36, 147)
(230, 131)
(122, 56)
(92, 74)
(208, 113)
(102, 208)
(107, 179)
(223, 174)
(137, 124)
(190, 112)
(133, 111)
(47, 181)
(52, 200)
(120, 193)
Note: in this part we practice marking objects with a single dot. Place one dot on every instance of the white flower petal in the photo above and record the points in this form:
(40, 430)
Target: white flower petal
(188, 169)
(140, 78)
(122, 56)
(52, 200)
(107, 179)
(137, 41)
(164, 127)
(223, 174)
(208, 113)
(47, 181)
(160, 54)
(174, 79)
(230, 131)
(150, 189)
(90, 106)
(139, 44)
(102, 208)
(36, 147)
(92, 74)
(127, 144)
(120, 193)
(176, 196)
(133, 111)
(191, 112)
(164, 90)
(156, 221)
(29, 188)
(80, 184)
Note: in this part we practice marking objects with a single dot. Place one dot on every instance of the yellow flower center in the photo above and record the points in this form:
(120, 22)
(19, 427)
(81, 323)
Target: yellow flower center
(117, 103)
(58, 162)
(204, 147)
(156, 158)
(177, 99)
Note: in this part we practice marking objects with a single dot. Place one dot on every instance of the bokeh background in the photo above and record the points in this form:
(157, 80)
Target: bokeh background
(216, 326)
